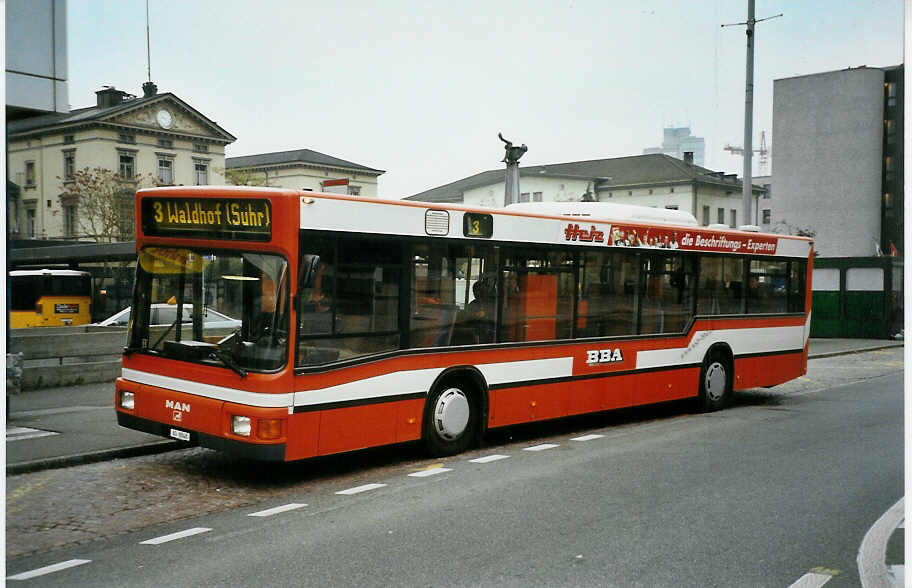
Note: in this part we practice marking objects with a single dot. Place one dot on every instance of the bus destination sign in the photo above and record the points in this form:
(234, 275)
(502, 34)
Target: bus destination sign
(208, 218)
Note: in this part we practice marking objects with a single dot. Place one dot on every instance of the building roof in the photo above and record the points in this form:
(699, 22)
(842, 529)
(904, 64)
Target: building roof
(303, 156)
(618, 172)
(96, 114)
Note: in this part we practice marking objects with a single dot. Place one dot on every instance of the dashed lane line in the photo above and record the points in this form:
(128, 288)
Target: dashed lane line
(430, 472)
(72, 563)
(22, 433)
(489, 458)
(588, 437)
(175, 536)
(812, 580)
(360, 489)
(279, 509)
(541, 447)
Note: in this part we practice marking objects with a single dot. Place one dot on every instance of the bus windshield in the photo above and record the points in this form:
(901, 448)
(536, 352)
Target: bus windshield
(212, 306)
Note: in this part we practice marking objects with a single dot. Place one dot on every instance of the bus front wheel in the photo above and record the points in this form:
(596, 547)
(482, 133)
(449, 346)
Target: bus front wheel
(716, 377)
(451, 418)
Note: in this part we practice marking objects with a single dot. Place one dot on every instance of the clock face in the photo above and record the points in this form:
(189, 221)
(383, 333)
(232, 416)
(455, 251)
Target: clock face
(164, 118)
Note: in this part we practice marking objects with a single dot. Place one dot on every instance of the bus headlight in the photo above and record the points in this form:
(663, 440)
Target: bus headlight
(240, 425)
(127, 400)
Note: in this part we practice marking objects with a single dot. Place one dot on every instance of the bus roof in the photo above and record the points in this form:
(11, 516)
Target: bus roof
(609, 210)
(47, 272)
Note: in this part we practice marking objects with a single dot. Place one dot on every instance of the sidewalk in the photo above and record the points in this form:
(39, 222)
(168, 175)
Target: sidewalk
(59, 427)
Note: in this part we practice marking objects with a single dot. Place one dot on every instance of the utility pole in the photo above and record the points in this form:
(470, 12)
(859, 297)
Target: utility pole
(511, 158)
(747, 189)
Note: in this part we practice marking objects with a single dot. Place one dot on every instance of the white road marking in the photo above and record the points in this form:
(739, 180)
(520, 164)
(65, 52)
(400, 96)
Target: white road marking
(812, 580)
(49, 569)
(872, 565)
(541, 447)
(20, 433)
(587, 437)
(430, 472)
(279, 509)
(489, 458)
(175, 536)
(359, 489)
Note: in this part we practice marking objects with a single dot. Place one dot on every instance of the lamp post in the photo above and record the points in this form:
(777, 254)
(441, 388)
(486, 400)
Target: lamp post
(511, 158)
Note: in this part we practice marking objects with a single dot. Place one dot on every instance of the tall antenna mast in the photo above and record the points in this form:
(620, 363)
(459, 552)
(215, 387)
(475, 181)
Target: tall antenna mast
(747, 191)
(148, 51)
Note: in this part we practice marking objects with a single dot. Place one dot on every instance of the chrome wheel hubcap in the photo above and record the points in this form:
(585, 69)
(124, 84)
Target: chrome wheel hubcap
(714, 381)
(451, 414)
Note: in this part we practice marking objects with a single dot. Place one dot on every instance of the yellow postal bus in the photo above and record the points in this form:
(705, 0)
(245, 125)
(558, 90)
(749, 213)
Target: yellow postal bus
(50, 298)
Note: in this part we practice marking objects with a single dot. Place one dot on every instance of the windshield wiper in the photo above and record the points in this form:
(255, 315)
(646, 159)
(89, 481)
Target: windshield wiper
(225, 358)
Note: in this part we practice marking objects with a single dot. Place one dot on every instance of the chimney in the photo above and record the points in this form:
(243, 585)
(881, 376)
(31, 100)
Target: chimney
(149, 89)
(110, 96)
(689, 157)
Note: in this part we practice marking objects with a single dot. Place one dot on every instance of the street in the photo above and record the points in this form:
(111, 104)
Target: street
(786, 481)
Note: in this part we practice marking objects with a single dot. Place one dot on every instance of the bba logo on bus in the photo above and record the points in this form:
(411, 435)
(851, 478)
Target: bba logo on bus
(600, 356)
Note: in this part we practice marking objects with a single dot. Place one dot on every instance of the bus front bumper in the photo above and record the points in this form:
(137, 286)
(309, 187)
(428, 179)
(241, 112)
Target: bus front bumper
(262, 452)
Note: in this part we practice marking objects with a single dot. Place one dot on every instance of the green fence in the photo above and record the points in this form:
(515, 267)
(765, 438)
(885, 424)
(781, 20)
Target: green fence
(857, 297)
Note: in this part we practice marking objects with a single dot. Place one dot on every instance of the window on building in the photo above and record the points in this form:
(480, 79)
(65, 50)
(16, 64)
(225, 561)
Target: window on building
(721, 216)
(769, 191)
(767, 216)
(30, 223)
(610, 194)
(672, 190)
(734, 218)
(127, 162)
(69, 221)
(354, 190)
(891, 93)
(126, 138)
(630, 192)
(536, 196)
(30, 174)
(69, 164)
(671, 206)
(705, 216)
(165, 170)
(524, 197)
(650, 191)
(201, 148)
(166, 143)
(201, 173)
(69, 139)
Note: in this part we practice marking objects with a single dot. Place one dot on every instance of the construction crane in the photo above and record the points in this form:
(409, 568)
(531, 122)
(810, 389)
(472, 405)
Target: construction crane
(762, 151)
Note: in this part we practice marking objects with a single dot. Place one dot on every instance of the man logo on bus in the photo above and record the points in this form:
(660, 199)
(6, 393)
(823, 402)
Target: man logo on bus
(177, 406)
(597, 356)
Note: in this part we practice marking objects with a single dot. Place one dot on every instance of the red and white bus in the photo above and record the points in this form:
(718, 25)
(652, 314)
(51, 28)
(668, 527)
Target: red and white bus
(366, 322)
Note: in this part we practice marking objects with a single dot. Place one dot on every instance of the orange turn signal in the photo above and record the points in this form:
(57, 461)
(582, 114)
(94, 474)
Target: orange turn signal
(269, 428)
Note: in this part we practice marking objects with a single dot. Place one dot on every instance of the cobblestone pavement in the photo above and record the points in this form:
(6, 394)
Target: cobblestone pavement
(54, 508)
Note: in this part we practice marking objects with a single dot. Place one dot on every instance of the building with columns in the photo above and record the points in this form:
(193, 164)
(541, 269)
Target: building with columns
(156, 135)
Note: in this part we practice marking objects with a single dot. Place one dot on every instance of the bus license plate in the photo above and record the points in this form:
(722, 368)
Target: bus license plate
(181, 435)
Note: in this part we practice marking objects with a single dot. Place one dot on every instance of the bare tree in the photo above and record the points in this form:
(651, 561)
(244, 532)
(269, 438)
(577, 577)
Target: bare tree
(105, 203)
(245, 177)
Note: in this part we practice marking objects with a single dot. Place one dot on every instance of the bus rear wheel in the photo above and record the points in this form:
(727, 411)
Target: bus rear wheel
(451, 418)
(716, 377)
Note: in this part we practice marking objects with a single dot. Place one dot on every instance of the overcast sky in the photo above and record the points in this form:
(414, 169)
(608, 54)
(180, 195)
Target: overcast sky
(421, 88)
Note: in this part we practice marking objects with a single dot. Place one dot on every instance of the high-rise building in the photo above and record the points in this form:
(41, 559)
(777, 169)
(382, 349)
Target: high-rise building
(838, 161)
(677, 141)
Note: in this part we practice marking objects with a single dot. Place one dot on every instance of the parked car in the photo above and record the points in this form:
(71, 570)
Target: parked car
(164, 314)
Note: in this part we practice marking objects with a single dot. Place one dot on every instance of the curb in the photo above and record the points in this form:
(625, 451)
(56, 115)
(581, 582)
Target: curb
(850, 351)
(64, 461)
